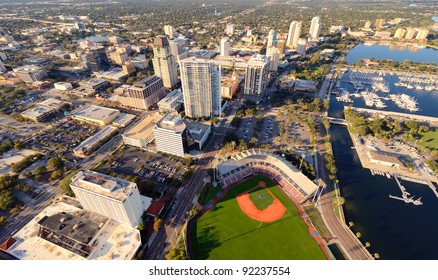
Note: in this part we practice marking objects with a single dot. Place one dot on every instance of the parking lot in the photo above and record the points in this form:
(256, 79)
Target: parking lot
(246, 128)
(154, 167)
(269, 130)
(62, 136)
(298, 135)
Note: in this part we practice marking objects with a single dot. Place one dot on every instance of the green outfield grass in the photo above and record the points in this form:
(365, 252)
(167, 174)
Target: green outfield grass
(225, 232)
(261, 198)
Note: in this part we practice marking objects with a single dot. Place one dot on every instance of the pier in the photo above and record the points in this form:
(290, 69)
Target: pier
(391, 113)
(405, 195)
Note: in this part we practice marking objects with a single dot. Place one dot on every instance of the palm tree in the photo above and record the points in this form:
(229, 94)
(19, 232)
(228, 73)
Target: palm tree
(358, 234)
(350, 224)
(367, 244)
(376, 256)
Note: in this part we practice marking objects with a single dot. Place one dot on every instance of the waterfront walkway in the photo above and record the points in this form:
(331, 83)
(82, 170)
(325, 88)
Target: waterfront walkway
(392, 114)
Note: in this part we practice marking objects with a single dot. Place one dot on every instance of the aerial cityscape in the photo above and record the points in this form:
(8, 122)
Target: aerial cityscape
(218, 130)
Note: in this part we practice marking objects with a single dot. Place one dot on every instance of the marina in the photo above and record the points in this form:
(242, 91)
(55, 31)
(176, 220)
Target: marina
(405, 195)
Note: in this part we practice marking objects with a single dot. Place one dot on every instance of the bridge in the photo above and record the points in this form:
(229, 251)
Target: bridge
(338, 121)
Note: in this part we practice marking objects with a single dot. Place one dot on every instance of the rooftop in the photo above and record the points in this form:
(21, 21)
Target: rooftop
(52, 103)
(144, 128)
(28, 69)
(37, 111)
(197, 130)
(160, 41)
(102, 184)
(94, 139)
(171, 97)
(94, 112)
(115, 241)
(171, 121)
(385, 157)
(143, 83)
(123, 120)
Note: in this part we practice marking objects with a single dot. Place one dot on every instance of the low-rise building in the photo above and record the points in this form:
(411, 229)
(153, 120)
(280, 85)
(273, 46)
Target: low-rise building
(384, 158)
(91, 143)
(94, 84)
(305, 85)
(63, 86)
(95, 114)
(142, 133)
(115, 75)
(199, 132)
(171, 102)
(30, 73)
(38, 113)
(52, 103)
(9, 79)
(229, 86)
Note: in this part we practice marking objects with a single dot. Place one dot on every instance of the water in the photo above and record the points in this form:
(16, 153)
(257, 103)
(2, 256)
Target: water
(396, 230)
(392, 52)
(435, 18)
(427, 100)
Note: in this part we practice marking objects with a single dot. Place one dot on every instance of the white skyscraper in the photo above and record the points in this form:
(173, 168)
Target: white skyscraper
(230, 29)
(171, 135)
(272, 39)
(201, 85)
(274, 57)
(302, 46)
(164, 63)
(294, 34)
(115, 198)
(169, 31)
(225, 47)
(315, 28)
(256, 77)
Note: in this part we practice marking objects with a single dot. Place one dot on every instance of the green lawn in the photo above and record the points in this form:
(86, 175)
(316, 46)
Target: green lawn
(261, 198)
(225, 232)
(429, 139)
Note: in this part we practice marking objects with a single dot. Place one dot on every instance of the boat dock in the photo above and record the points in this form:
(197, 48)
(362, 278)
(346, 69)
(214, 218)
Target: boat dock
(405, 195)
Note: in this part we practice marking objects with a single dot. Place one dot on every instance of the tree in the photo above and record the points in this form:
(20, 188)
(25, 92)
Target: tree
(158, 223)
(358, 234)
(7, 200)
(7, 181)
(65, 184)
(376, 256)
(18, 146)
(55, 163)
(350, 224)
(40, 170)
(56, 174)
(243, 145)
(367, 244)
(2, 221)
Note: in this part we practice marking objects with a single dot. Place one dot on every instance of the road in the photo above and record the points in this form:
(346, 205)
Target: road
(183, 203)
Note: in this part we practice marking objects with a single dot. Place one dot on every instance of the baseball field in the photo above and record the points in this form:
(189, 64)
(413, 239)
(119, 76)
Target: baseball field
(254, 220)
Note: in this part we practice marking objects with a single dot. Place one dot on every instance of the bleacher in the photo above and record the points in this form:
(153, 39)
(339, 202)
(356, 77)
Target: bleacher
(251, 162)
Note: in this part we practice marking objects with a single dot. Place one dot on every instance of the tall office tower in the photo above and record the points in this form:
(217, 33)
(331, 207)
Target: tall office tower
(96, 59)
(169, 31)
(422, 34)
(171, 135)
(400, 33)
(379, 22)
(411, 33)
(230, 29)
(225, 47)
(315, 28)
(256, 77)
(302, 46)
(114, 198)
(178, 48)
(201, 85)
(272, 39)
(367, 24)
(294, 34)
(274, 57)
(164, 63)
(143, 94)
(119, 57)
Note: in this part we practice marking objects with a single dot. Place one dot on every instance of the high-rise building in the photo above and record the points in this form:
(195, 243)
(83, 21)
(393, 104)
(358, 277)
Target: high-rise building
(119, 57)
(171, 135)
(256, 77)
(315, 28)
(400, 33)
(178, 48)
(164, 63)
(143, 94)
(294, 34)
(274, 57)
(379, 22)
(225, 47)
(230, 29)
(411, 33)
(422, 34)
(201, 85)
(302, 46)
(169, 31)
(272, 39)
(96, 59)
(114, 198)
(367, 24)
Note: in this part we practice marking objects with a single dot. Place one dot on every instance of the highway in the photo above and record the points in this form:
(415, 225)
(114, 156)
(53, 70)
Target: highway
(183, 203)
